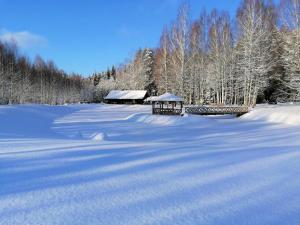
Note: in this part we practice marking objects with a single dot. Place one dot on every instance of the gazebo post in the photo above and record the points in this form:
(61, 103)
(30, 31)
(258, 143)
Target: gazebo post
(153, 107)
(181, 106)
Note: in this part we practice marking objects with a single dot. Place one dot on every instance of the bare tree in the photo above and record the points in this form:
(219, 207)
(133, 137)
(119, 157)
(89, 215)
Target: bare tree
(221, 57)
(162, 63)
(253, 48)
(179, 49)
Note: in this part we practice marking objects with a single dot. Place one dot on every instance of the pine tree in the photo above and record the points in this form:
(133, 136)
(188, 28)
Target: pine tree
(108, 74)
(113, 72)
(148, 64)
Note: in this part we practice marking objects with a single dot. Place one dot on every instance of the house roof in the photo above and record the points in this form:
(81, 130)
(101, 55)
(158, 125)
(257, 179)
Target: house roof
(167, 97)
(128, 95)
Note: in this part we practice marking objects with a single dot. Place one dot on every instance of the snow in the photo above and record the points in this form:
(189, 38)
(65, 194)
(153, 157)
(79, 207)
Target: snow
(168, 97)
(118, 164)
(150, 99)
(289, 115)
(129, 94)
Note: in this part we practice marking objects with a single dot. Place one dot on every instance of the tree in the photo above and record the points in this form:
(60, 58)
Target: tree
(113, 72)
(179, 42)
(108, 74)
(148, 70)
(161, 67)
(254, 58)
(290, 18)
(41, 82)
(221, 57)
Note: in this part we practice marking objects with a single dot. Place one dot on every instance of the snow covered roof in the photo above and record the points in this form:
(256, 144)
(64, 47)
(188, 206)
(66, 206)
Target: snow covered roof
(129, 94)
(167, 97)
(151, 99)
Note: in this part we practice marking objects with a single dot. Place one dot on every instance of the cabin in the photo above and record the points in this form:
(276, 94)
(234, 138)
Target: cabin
(126, 97)
(167, 104)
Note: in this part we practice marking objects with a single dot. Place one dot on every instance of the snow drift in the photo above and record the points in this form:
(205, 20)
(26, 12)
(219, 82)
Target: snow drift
(284, 114)
(155, 119)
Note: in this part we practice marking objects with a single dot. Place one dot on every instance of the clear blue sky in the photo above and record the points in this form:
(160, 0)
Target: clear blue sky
(89, 35)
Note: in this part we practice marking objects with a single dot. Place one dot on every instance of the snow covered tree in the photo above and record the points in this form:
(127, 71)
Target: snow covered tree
(148, 70)
(113, 72)
(198, 60)
(221, 57)
(254, 58)
(290, 17)
(179, 43)
(162, 75)
(215, 61)
(276, 89)
(41, 82)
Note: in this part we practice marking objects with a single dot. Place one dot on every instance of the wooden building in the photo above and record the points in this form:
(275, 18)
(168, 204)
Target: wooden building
(126, 97)
(167, 104)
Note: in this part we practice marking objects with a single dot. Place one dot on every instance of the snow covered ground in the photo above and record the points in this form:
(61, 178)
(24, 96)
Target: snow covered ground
(99, 164)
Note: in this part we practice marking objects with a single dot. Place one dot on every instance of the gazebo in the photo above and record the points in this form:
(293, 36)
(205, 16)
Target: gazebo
(167, 104)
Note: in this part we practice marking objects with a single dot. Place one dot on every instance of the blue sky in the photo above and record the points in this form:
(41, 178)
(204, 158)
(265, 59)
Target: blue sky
(89, 35)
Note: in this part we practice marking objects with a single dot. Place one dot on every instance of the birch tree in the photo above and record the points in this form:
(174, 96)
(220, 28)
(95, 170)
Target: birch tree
(221, 56)
(198, 60)
(254, 48)
(163, 76)
(179, 49)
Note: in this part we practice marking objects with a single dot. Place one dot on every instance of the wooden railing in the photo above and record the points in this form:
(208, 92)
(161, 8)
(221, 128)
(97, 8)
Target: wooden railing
(216, 110)
(165, 111)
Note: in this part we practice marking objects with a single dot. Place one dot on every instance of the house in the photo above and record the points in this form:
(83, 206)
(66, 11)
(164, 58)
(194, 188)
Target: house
(167, 104)
(126, 97)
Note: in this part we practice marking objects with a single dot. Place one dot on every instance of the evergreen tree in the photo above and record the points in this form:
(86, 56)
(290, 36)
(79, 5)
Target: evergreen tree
(113, 72)
(148, 63)
(108, 74)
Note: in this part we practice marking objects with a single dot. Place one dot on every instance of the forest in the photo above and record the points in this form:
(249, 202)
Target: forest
(40, 82)
(214, 59)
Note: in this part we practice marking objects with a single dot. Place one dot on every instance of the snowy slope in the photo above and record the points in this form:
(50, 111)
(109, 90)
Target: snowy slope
(99, 164)
(285, 114)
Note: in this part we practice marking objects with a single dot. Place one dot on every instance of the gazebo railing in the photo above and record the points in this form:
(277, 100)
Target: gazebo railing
(166, 111)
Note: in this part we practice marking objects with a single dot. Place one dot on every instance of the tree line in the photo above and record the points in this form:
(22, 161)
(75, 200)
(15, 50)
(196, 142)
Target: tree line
(215, 59)
(39, 82)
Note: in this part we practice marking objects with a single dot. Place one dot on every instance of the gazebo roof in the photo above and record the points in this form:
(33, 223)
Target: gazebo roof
(167, 97)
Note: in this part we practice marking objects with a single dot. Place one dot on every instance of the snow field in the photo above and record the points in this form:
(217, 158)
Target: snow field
(113, 164)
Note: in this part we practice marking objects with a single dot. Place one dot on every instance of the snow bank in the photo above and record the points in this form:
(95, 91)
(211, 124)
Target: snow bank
(155, 119)
(284, 114)
(162, 120)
